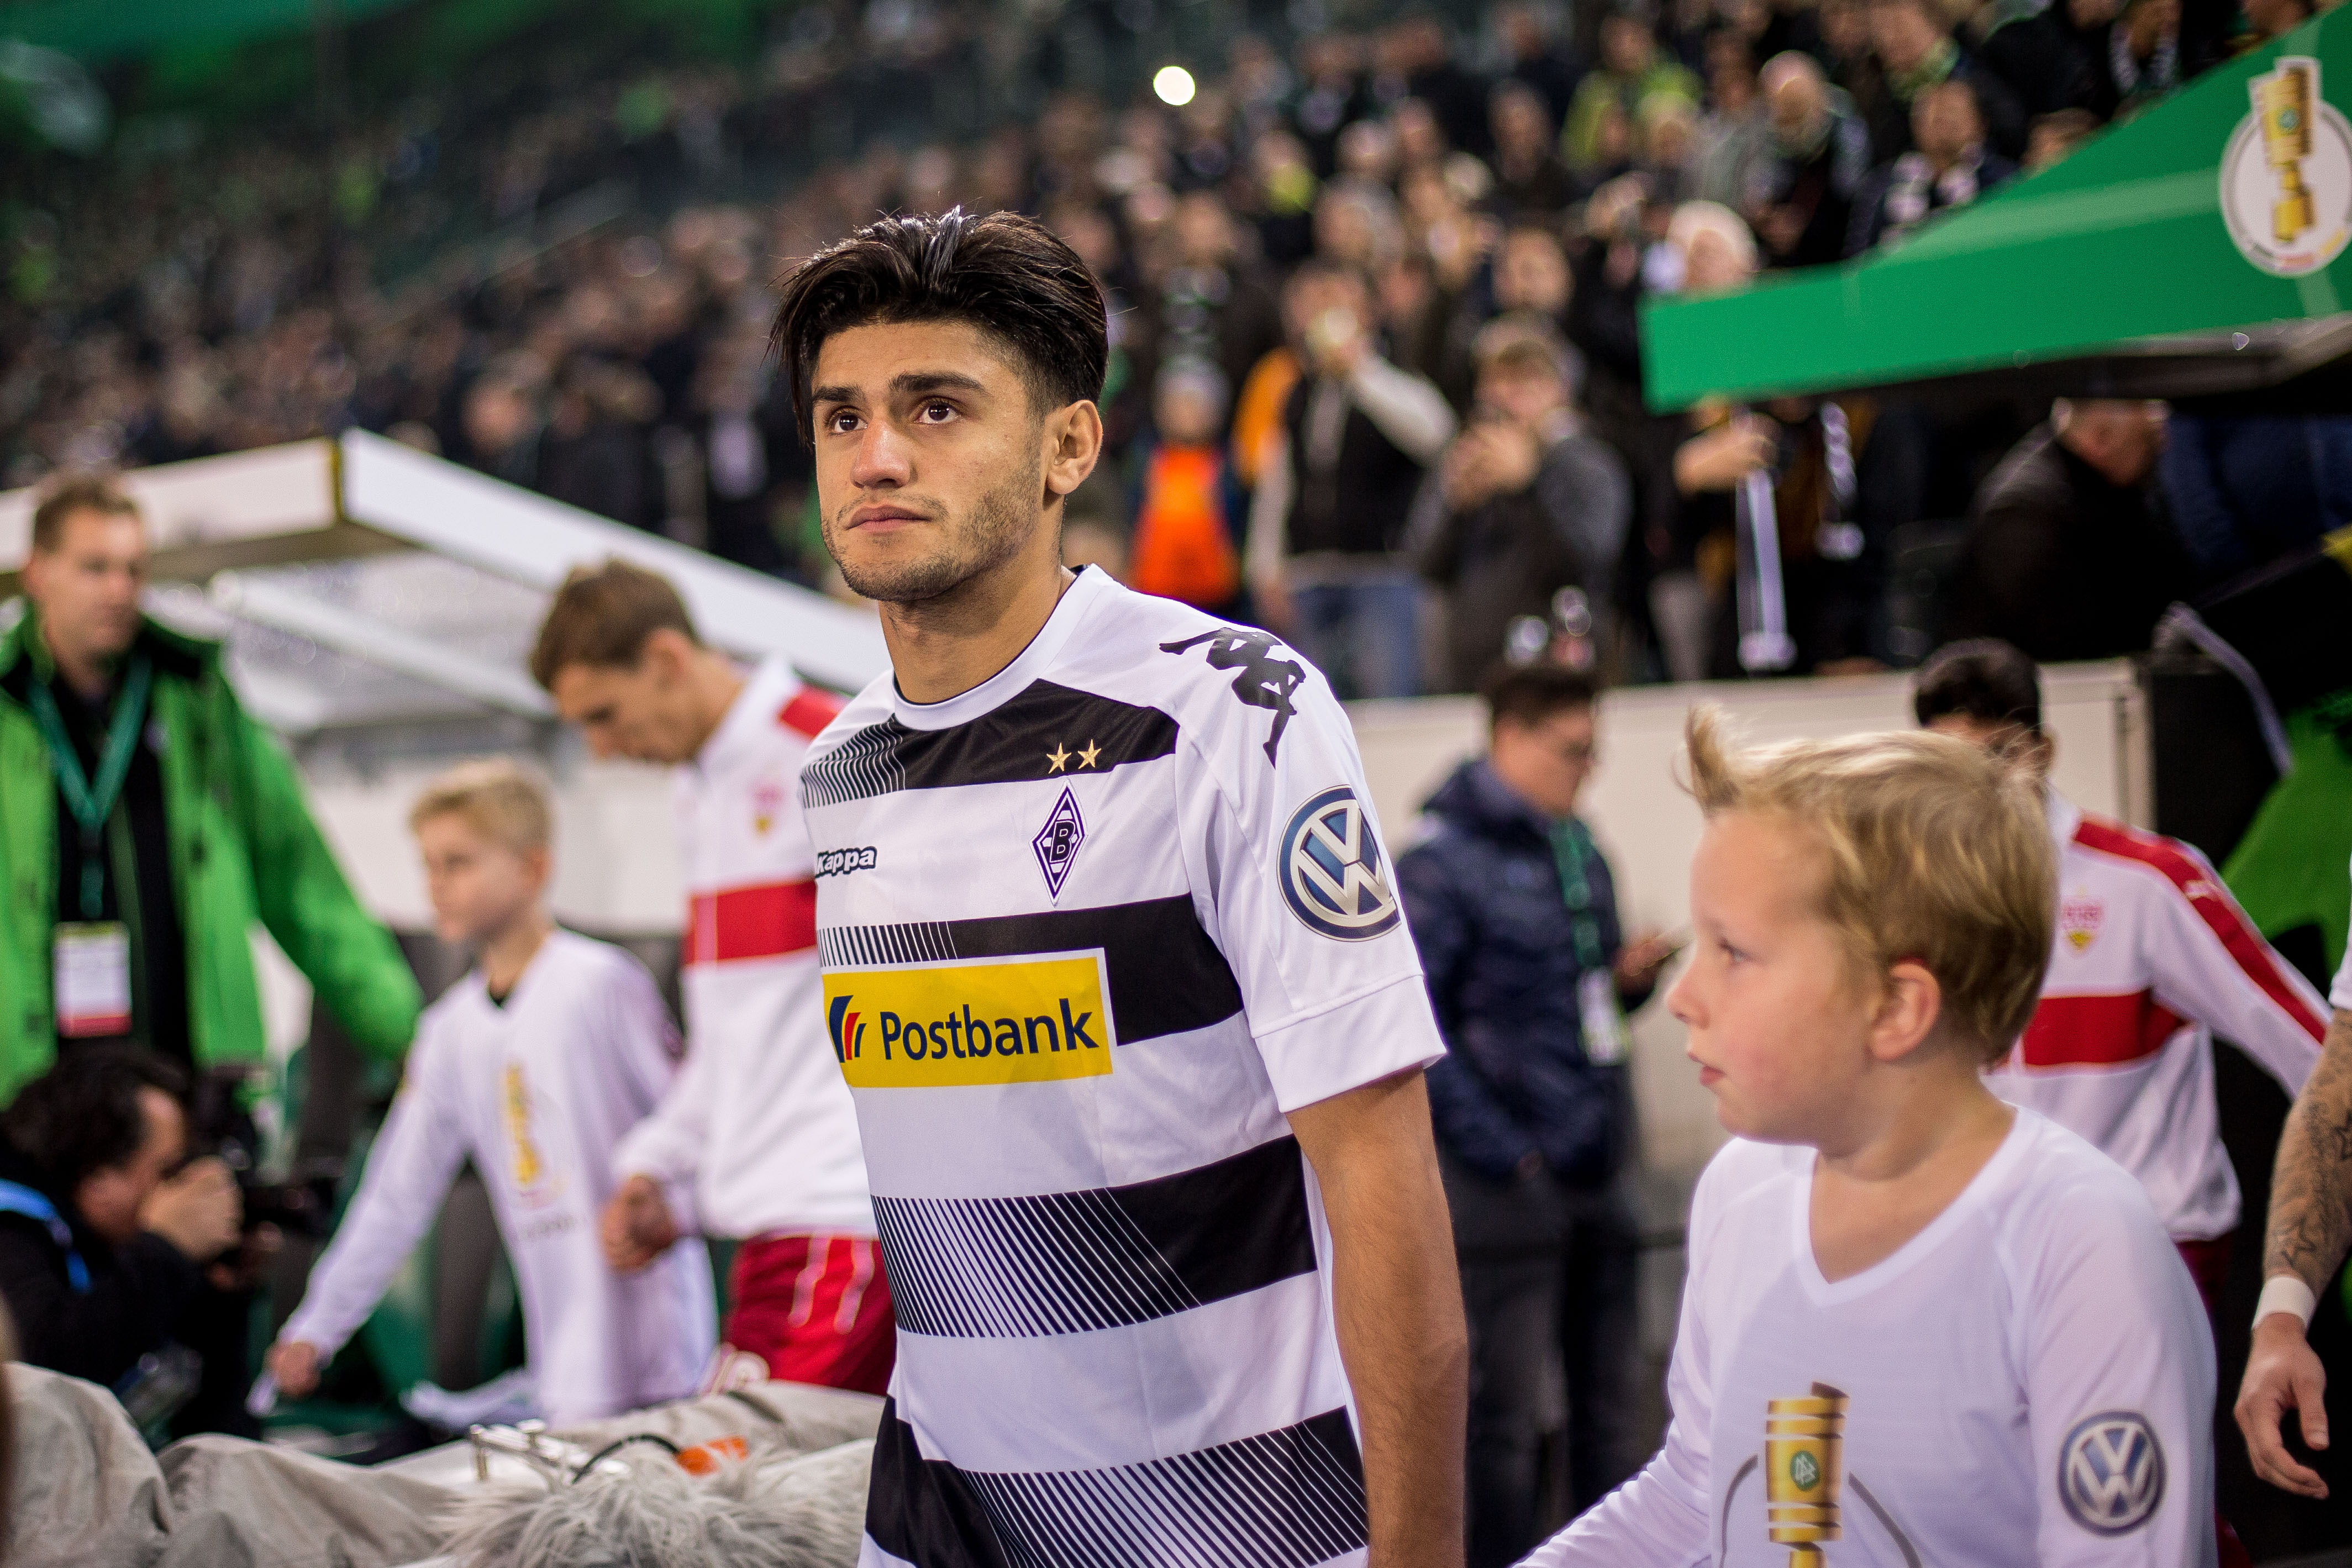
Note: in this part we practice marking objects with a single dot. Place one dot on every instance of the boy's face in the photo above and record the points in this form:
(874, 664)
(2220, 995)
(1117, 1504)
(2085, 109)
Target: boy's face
(477, 885)
(1777, 1027)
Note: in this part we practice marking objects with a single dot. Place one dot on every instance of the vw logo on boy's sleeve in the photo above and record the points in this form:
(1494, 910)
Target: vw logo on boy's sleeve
(2111, 1472)
(1333, 876)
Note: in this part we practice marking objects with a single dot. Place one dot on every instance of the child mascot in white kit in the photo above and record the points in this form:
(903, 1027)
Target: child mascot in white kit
(1920, 1323)
(534, 1064)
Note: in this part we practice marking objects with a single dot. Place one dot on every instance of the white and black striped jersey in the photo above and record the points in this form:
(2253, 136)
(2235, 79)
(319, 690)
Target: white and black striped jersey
(1096, 924)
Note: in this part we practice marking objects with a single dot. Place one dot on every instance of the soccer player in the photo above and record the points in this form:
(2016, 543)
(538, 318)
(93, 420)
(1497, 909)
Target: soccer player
(1115, 971)
(1919, 1322)
(533, 1065)
(2150, 960)
(757, 1140)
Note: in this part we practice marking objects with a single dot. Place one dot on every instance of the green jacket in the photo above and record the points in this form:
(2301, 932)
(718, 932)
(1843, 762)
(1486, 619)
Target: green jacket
(244, 848)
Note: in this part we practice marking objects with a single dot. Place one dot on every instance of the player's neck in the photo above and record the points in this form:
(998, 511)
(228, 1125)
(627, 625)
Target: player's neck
(944, 647)
(507, 952)
(716, 682)
(1899, 1161)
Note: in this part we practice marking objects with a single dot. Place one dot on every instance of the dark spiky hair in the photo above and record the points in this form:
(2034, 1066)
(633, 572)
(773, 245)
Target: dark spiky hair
(1006, 274)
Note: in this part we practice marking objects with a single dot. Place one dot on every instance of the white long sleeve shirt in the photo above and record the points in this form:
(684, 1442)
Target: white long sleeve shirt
(2028, 1381)
(538, 1091)
(758, 1136)
(2151, 959)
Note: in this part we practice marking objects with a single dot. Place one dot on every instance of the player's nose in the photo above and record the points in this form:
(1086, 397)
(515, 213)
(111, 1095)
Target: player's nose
(881, 458)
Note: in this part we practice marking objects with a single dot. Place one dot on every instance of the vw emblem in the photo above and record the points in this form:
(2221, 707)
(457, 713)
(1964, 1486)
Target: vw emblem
(1333, 877)
(2111, 1472)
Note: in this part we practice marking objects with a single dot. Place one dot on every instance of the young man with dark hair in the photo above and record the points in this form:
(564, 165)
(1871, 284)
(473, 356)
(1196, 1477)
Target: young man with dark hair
(104, 1226)
(756, 1138)
(2150, 960)
(1515, 912)
(1115, 970)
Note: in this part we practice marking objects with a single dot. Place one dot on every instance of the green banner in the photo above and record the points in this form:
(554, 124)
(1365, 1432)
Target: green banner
(2202, 215)
(104, 29)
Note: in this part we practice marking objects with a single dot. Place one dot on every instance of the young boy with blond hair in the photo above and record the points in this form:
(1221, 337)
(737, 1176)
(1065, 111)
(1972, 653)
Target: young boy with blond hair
(1920, 1323)
(534, 1065)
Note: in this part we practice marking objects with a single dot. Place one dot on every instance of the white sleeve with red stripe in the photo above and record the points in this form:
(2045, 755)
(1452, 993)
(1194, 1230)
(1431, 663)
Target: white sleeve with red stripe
(2212, 966)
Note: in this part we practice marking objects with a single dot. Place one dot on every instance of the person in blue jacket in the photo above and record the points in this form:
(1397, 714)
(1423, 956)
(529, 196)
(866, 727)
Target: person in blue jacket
(1515, 912)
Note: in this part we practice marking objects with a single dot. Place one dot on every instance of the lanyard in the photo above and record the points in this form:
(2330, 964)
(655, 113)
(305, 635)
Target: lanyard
(18, 1198)
(1571, 847)
(92, 803)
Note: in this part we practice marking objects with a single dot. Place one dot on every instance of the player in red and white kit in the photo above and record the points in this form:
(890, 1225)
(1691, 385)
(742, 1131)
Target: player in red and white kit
(758, 1139)
(2151, 959)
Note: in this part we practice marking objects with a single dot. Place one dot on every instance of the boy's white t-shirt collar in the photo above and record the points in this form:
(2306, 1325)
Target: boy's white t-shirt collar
(1822, 1290)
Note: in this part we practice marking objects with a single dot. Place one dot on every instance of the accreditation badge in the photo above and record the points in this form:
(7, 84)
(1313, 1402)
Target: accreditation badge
(94, 979)
(1606, 1038)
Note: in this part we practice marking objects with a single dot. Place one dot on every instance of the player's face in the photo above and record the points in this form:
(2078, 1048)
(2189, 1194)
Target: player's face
(930, 462)
(87, 587)
(1777, 1027)
(478, 886)
(638, 711)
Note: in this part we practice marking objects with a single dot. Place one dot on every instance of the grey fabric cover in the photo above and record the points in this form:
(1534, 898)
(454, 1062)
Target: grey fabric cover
(247, 1505)
(86, 1492)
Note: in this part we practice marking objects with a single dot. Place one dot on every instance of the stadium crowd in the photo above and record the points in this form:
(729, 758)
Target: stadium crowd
(1375, 311)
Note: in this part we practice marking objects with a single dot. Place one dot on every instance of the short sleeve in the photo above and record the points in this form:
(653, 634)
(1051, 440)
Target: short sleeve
(1294, 881)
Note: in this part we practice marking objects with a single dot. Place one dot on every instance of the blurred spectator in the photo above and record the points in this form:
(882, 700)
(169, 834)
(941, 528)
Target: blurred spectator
(1818, 159)
(2246, 488)
(1185, 543)
(1631, 73)
(1950, 166)
(1416, 62)
(1850, 55)
(2057, 135)
(1514, 911)
(2057, 58)
(2141, 57)
(1210, 304)
(1527, 503)
(1533, 59)
(1530, 182)
(105, 1225)
(1916, 47)
(1735, 136)
(2072, 553)
(2271, 19)
(1329, 519)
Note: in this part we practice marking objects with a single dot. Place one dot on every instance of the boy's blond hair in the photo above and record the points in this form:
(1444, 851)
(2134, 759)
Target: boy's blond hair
(499, 798)
(1931, 850)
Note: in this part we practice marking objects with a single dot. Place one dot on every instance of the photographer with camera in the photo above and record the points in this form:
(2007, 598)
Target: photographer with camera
(105, 1227)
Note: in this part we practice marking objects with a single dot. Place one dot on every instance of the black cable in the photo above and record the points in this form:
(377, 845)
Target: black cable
(618, 1443)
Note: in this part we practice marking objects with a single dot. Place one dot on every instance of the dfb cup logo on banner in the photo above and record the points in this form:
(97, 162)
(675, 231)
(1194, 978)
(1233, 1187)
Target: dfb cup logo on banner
(2286, 178)
(1333, 876)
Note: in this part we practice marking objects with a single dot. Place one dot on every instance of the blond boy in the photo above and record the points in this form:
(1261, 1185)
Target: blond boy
(1920, 1323)
(534, 1065)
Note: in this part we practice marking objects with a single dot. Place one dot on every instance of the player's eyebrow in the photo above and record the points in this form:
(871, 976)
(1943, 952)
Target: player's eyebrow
(911, 383)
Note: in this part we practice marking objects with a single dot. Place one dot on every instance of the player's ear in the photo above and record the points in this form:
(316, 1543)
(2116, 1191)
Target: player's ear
(1073, 442)
(1910, 1004)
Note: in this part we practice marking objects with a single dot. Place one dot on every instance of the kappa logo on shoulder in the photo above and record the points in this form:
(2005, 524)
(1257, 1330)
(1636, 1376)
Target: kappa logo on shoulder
(2111, 1472)
(1263, 682)
(1334, 876)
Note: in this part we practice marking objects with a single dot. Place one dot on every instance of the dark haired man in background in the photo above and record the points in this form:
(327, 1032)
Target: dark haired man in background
(104, 1225)
(1117, 976)
(1515, 913)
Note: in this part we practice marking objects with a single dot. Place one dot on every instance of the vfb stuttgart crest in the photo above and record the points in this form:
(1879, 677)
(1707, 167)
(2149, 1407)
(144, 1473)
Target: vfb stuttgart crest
(2078, 919)
(2111, 1472)
(1333, 876)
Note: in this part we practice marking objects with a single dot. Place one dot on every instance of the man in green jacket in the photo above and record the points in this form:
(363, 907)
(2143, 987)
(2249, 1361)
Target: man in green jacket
(146, 823)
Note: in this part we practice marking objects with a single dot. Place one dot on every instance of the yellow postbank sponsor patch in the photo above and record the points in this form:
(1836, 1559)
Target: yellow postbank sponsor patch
(975, 1021)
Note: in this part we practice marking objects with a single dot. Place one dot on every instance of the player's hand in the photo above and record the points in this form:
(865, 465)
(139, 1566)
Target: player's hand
(638, 1227)
(1639, 961)
(295, 1364)
(2283, 1374)
(198, 1210)
(1274, 606)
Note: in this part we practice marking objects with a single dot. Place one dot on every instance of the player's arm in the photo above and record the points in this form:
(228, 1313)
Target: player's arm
(410, 1168)
(2118, 1362)
(2212, 965)
(2310, 1229)
(1398, 1296)
(654, 1164)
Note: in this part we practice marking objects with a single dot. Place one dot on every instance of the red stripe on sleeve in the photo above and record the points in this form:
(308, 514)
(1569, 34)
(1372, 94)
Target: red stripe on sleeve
(2098, 1031)
(764, 922)
(2220, 911)
(809, 711)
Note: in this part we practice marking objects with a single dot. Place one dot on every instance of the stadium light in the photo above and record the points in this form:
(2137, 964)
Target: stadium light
(1174, 86)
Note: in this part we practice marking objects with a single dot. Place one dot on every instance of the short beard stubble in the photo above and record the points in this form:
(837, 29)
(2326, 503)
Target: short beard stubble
(996, 528)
